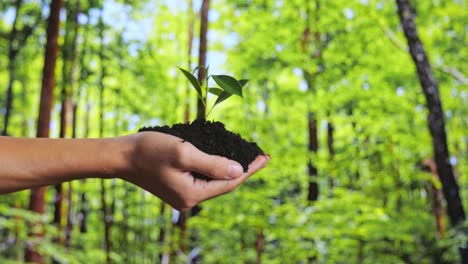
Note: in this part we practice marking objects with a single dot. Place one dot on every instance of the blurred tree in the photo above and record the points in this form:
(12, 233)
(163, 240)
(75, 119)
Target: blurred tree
(106, 212)
(435, 119)
(16, 41)
(69, 67)
(181, 222)
(37, 202)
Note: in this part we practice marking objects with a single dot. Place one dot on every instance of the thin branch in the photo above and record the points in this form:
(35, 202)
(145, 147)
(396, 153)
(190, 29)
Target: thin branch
(456, 74)
(392, 37)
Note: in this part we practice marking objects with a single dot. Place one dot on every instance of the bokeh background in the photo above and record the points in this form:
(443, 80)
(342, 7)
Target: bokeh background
(333, 97)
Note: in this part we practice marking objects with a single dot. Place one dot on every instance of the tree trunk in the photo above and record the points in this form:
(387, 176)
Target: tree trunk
(106, 220)
(436, 121)
(243, 246)
(354, 174)
(189, 59)
(259, 245)
(436, 199)
(331, 153)
(181, 222)
(163, 255)
(105, 210)
(69, 226)
(313, 188)
(201, 108)
(73, 78)
(330, 139)
(12, 55)
(24, 112)
(16, 41)
(84, 207)
(313, 191)
(58, 205)
(182, 225)
(83, 212)
(9, 97)
(360, 255)
(69, 57)
(36, 202)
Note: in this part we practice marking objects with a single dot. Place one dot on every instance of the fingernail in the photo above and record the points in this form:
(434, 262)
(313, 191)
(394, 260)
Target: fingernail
(235, 170)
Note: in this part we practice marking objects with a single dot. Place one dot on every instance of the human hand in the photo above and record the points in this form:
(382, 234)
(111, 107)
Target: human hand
(162, 165)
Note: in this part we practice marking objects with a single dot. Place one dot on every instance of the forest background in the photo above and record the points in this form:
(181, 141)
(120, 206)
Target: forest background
(334, 97)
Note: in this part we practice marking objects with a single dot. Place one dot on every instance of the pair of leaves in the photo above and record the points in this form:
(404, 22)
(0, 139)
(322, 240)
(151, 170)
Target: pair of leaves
(228, 86)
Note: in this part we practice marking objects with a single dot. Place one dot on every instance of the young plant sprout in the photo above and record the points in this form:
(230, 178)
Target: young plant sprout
(212, 137)
(228, 86)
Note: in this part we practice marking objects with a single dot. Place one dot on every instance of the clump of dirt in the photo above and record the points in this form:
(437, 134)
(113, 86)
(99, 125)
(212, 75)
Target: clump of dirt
(212, 137)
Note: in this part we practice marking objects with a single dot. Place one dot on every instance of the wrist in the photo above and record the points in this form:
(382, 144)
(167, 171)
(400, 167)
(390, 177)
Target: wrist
(118, 154)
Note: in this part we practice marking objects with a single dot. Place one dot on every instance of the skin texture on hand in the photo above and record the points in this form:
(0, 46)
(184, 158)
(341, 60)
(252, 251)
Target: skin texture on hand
(169, 176)
(157, 162)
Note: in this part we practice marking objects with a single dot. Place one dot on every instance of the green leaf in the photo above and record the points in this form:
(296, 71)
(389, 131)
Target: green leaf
(228, 84)
(223, 96)
(243, 82)
(215, 91)
(193, 80)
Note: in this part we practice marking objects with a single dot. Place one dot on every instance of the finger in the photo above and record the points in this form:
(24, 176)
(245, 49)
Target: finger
(215, 188)
(215, 167)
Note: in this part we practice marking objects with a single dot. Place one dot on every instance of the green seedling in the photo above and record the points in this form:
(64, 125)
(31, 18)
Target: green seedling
(228, 86)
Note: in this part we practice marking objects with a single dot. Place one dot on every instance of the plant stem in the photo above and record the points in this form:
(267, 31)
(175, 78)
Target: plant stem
(206, 116)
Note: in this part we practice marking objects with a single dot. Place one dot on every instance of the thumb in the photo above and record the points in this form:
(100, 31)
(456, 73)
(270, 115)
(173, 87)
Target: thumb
(215, 167)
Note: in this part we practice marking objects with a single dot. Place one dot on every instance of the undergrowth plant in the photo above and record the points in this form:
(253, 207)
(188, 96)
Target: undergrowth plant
(228, 86)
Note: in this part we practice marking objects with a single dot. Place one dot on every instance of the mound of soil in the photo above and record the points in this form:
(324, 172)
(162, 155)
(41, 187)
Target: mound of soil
(213, 138)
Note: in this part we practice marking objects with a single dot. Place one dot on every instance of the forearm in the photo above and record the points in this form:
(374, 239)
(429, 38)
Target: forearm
(26, 163)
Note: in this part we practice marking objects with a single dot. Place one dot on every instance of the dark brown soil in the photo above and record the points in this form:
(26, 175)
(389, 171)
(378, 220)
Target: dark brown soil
(214, 139)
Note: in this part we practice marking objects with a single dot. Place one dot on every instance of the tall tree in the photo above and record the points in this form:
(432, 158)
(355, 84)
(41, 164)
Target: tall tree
(73, 77)
(182, 221)
(191, 24)
(313, 191)
(105, 209)
(16, 41)
(201, 107)
(12, 54)
(331, 151)
(259, 245)
(69, 55)
(37, 202)
(69, 224)
(83, 74)
(312, 35)
(436, 198)
(205, 7)
(435, 120)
